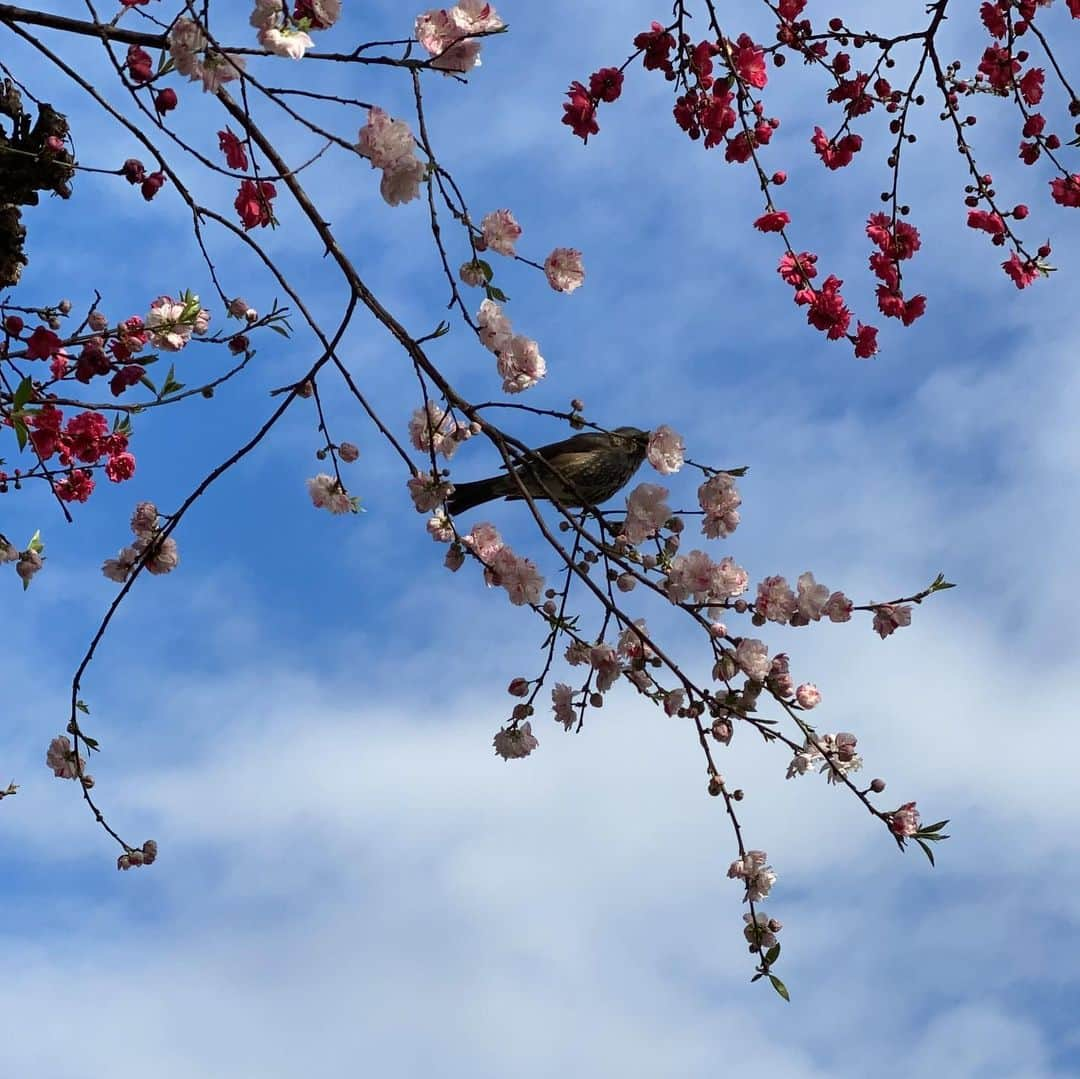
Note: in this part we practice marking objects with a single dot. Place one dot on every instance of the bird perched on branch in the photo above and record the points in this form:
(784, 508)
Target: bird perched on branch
(594, 465)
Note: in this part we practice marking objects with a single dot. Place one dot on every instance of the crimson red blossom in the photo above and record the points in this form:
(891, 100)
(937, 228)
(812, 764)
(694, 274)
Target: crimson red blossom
(1065, 191)
(41, 344)
(993, 19)
(1022, 273)
(139, 64)
(999, 66)
(774, 221)
(749, 61)
(839, 154)
(657, 44)
(987, 221)
(580, 112)
(1031, 85)
(253, 203)
(233, 149)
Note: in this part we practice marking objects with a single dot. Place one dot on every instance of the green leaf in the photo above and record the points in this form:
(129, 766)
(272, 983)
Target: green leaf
(279, 329)
(773, 954)
(932, 827)
(23, 393)
(82, 707)
(494, 293)
(21, 433)
(780, 987)
(926, 850)
(91, 743)
(35, 543)
(148, 383)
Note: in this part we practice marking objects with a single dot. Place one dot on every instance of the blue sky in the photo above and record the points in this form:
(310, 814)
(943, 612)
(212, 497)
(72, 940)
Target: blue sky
(302, 714)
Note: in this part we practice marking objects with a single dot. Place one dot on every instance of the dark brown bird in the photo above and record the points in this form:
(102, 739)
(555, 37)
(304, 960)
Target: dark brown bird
(595, 465)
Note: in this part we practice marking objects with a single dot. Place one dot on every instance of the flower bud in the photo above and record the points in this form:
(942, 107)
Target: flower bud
(877, 785)
(519, 687)
(348, 452)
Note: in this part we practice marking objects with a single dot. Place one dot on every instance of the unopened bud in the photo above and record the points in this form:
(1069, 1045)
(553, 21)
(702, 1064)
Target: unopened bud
(519, 687)
(716, 785)
(877, 785)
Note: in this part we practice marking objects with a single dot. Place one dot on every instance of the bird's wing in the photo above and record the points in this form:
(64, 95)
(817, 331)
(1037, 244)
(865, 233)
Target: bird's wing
(585, 442)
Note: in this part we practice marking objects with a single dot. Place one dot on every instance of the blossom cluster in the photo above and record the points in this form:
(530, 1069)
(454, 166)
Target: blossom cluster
(448, 34)
(389, 145)
(502, 567)
(518, 358)
(192, 56)
(157, 552)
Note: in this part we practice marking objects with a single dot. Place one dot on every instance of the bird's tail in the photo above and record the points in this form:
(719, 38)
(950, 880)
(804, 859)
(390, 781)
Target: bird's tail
(467, 495)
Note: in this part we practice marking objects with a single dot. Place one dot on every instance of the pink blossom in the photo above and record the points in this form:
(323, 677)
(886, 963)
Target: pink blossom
(217, 69)
(674, 700)
(839, 608)
(164, 556)
(808, 695)
(720, 501)
(384, 140)
(118, 569)
(605, 661)
(186, 40)
(564, 269)
(775, 600)
(440, 529)
(167, 331)
(666, 450)
(484, 541)
(521, 365)
(433, 430)
(144, 519)
(690, 575)
(495, 329)
(813, 597)
(327, 494)
(519, 576)
(348, 452)
(514, 743)
(630, 644)
(758, 876)
(752, 656)
(890, 617)
(401, 182)
(61, 758)
(562, 701)
(904, 821)
(286, 42)
(500, 231)
(266, 14)
(427, 491)
(646, 512)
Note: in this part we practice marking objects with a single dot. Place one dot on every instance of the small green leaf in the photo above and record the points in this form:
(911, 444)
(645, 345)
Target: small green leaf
(926, 850)
(780, 987)
(494, 293)
(932, 827)
(35, 543)
(148, 383)
(21, 433)
(82, 707)
(773, 954)
(279, 329)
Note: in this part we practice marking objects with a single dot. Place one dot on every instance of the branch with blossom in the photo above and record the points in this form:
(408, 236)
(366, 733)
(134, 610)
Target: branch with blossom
(617, 569)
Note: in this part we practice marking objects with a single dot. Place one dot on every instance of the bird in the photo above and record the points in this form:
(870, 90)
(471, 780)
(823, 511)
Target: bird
(594, 464)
